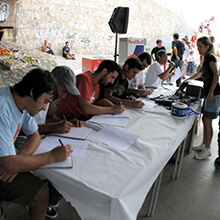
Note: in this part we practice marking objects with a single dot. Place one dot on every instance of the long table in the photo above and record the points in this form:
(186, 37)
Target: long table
(111, 184)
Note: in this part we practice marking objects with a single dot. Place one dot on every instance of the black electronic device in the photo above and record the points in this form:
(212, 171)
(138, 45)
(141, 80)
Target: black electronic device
(180, 95)
(119, 20)
(194, 91)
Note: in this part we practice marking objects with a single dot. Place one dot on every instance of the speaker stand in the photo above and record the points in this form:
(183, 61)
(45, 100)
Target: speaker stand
(116, 47)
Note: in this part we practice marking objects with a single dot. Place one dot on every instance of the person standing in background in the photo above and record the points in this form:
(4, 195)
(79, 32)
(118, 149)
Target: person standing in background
(185, 56)
(178, 51)
(211, 89)
(156, 49)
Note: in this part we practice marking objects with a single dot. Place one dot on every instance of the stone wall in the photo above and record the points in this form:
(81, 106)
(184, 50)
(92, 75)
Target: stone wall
(84, 23)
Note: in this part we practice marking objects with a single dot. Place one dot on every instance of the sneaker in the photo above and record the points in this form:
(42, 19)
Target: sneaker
(199, 148)
(51, 212)
(217, 163)
(56, 205)
(205, 153)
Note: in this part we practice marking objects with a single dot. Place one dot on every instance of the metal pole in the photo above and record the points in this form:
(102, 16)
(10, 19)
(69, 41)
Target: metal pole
(116, 46)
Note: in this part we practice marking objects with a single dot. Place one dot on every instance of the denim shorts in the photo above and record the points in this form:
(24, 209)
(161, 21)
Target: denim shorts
(211, 109)
(22, 190)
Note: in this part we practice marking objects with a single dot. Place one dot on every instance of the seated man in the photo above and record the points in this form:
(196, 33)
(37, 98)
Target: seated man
(66, 52)
(136, 85)
(46, 47)
(18, 104)
(88, 84)
(49, 123)
(47, 120)
(155, 73)
(117, 93)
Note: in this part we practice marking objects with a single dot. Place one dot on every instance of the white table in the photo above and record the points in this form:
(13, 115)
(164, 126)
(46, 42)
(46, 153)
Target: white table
(109, 184)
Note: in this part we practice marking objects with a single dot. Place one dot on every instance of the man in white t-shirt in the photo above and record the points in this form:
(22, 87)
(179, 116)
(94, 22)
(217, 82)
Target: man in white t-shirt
(136, 84)
(155, 73)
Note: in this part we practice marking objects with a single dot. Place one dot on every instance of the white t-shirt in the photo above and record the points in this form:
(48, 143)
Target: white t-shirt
(152, 78)
(139, 79)
(190, 58)
(40, 117)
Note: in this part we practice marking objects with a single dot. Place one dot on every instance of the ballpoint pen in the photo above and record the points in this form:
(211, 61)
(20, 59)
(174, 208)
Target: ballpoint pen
(61, 142)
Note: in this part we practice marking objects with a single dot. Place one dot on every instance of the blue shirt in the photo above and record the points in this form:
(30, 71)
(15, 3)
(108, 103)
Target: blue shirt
(186, 52)
(12, 120)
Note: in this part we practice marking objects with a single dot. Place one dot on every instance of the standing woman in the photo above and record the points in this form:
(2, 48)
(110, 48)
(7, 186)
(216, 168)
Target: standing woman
(211, 87)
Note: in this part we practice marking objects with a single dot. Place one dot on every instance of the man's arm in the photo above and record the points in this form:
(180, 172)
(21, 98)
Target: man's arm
(54, 124)
(140, 91)
(126, 102)
(55, 127)
(91, 109)
(23, 163)
(31, 144)
(166, 74)
(176, 53)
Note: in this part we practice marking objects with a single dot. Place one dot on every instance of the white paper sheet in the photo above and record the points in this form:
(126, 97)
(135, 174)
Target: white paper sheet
(115, 138)
(121, 122)
(49, 143)
(177, 75)
(76, 133)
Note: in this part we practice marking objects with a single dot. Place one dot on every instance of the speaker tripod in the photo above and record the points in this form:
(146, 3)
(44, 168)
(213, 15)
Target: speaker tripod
(116, 47)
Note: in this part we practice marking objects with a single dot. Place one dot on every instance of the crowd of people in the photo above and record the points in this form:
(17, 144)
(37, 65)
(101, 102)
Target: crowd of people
(206, 26)
(27, 110)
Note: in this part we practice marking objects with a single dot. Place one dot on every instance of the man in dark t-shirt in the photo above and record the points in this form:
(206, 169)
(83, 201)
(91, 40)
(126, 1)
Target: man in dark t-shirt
(178, 51)
(156, 49)
(66, 52)
(116, 93)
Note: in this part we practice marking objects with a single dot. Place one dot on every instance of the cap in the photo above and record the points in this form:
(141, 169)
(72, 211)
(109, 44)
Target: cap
(67, 77)
(161, 52)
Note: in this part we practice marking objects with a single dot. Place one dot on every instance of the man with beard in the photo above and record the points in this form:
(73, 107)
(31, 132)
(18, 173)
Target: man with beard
(117, 93)
(87, 103)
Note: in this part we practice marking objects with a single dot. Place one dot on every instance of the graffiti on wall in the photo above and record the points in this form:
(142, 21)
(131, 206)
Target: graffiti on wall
(4, 11)
(80, 41)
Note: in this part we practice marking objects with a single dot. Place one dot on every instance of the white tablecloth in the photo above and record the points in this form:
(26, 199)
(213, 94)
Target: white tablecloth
(109, 184)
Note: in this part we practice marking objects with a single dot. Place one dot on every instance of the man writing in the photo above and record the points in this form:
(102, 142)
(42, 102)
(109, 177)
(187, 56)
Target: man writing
(117, 93)
(88, 84)
(136, 84)
(18, 105)
(48, 123)
(47, 120)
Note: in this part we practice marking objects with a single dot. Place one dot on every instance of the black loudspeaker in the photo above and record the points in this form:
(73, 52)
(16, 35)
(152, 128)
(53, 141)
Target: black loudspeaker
(119, 20)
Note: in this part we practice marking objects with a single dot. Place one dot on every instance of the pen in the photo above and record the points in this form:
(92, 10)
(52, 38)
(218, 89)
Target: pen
(61, 142)
(64, 117)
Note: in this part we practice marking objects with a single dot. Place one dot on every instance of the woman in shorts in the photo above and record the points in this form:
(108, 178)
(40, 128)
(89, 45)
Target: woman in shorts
(211, 89)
